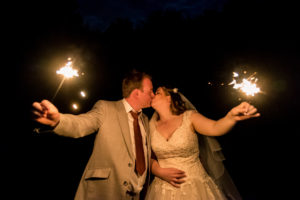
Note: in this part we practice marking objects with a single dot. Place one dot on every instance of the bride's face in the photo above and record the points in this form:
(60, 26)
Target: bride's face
(160, 99)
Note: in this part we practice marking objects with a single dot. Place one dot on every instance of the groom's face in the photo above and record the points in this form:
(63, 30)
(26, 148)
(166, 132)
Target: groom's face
(147, 93)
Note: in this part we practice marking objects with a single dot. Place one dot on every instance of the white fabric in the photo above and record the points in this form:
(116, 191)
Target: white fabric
(181, 151)
(128, 108)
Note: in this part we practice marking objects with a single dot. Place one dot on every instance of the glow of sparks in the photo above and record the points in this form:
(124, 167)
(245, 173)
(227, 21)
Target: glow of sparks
(235, 74)
(82, 93)
(74, 106)
(67, 71)
(247, 86)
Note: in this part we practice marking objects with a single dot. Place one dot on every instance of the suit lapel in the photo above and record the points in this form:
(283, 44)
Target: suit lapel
(123, 121)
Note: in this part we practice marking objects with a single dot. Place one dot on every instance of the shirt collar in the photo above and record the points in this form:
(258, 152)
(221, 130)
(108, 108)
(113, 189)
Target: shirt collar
(128, 107)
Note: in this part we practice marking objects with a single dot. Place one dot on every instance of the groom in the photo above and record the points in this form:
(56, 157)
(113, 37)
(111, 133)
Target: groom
(119, 164)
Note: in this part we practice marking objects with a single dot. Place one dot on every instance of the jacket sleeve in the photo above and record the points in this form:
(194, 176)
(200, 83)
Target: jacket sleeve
(77, 126)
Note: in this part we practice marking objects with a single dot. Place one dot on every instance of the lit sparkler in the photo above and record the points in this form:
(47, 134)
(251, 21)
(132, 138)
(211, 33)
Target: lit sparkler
(68, 72)
(247, 86)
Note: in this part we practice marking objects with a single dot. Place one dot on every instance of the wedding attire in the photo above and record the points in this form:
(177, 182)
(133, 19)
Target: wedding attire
(110, 172)
(199, 156)
(181, 151)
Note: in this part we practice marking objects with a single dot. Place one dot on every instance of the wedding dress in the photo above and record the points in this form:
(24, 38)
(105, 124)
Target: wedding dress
(181, 151)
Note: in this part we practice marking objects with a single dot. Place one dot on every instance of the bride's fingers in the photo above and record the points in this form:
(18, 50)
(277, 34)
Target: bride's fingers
(251, 111)
(244, 117)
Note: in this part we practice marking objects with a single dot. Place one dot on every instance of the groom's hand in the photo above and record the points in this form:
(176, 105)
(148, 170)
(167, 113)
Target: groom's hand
(45, 113)
(173, 176)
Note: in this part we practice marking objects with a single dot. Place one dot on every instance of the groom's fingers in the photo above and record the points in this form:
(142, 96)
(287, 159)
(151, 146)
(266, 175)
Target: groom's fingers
(180, 175)
(179, 180)
(37, 107)
(37, 114)
(178, 171)
(175, 184)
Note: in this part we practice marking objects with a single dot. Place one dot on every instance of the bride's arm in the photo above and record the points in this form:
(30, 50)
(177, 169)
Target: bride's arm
(206, 126)
(171, 175)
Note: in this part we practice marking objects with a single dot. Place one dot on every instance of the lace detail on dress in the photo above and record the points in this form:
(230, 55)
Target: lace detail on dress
(181, 151)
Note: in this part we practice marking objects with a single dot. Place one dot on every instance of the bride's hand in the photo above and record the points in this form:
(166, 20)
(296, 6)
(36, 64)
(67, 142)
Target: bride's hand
(243, 111)
(172, 176)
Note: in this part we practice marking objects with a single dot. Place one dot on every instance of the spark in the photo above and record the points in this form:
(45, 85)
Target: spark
(67, 71)
(247, 86)
(82, 93)
(75, 106)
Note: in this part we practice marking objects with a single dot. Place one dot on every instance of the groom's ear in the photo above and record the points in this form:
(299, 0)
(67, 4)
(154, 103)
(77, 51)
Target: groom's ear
(135, 92)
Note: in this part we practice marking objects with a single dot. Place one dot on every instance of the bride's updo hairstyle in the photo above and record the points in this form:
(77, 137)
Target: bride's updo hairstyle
(177, 104)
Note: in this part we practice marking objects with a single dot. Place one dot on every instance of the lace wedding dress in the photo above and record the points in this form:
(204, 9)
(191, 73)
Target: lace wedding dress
(181, 151)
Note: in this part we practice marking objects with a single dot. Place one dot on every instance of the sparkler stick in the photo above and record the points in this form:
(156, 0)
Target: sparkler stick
(68, 72)
(61, 83)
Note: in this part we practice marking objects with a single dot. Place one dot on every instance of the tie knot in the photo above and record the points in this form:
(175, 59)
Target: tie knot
(134, 114)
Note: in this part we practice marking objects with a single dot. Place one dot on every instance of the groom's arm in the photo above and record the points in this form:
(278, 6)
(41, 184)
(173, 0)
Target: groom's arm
(76, 126)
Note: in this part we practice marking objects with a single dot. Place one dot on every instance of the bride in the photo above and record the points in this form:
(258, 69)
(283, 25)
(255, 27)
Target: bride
(187, 159)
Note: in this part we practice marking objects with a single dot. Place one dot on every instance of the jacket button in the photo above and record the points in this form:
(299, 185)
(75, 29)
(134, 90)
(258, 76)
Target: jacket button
(125, 183)
(129, 165)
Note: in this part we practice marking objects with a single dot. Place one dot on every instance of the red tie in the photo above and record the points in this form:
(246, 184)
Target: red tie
(139, 149)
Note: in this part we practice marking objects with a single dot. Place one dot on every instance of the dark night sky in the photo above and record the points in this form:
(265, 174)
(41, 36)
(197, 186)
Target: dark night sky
(185, 43)
(99, 14)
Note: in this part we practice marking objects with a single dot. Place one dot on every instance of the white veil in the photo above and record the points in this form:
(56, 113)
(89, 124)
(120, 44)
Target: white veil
(211, 157)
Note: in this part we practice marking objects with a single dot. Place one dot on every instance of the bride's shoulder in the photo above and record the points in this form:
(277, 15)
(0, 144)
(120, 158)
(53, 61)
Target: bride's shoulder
(190, 112)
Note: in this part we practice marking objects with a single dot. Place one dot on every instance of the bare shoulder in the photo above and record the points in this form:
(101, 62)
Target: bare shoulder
(191, 113)
(195, 116)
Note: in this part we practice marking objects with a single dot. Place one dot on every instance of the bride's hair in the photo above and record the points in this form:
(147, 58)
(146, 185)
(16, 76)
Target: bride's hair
(177, 104)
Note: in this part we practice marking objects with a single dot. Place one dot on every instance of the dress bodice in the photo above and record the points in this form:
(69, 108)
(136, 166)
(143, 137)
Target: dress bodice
(181, 149)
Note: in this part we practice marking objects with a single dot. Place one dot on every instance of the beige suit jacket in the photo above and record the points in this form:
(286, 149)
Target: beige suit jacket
(109, 173)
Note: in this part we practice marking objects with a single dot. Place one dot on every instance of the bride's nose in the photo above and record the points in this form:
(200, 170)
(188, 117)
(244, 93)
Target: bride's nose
(152, 95)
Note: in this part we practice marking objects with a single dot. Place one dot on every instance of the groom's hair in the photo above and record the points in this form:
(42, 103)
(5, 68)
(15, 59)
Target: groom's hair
(133, 80)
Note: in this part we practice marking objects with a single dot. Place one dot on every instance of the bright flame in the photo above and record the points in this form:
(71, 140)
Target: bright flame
(247, 86)
(235, 74)
(67, 71)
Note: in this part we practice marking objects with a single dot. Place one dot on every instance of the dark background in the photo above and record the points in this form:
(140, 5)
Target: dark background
(177, 47)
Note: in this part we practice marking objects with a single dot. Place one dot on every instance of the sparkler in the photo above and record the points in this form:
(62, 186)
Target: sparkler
(68, 72)
(247, 86)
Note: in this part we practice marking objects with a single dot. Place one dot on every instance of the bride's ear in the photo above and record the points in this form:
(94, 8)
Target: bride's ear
(169, 98)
